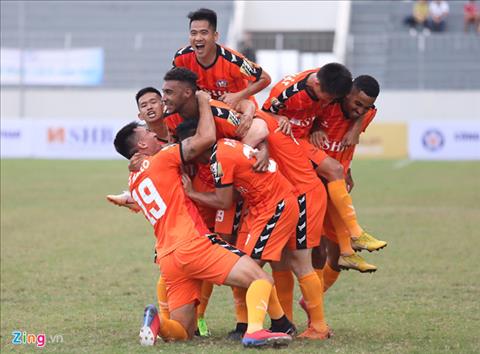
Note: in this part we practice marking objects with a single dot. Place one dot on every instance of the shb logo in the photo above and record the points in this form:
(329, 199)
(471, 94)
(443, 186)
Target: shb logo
(433, 140)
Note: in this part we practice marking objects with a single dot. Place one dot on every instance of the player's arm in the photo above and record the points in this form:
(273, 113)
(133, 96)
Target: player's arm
(318, 137)
(233, 98)
(205, 136)
(222, 198)
(257, 133)
(263, 157)
(352, 136)
(247, 109)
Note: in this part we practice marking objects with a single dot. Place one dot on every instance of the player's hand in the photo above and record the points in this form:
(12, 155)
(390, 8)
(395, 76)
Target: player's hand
(232, 99)
(202, 95)
(136, 162)
(246, 120)
(263, 160)
(349, 181)
(284, 125)
(187, 184)
(352, 137)
(318, 138)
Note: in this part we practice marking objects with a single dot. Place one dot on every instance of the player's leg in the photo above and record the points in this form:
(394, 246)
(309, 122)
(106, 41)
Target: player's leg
(337, 233)
(206, 292)
(331, 270)
(162, 297)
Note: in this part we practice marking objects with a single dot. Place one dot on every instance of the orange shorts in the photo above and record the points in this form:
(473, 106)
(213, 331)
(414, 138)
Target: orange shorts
(263, 236)
(221, 221)
(202, 258)
(315, 154)
(312, 206)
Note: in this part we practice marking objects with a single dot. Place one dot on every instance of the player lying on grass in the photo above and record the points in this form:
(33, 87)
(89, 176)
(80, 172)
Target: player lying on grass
(183, 238)
(296, 101)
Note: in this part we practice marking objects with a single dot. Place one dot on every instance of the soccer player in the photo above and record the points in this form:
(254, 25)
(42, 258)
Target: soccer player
(225, 73)
(336, 132)
(271, 222)
(183, 238)
(150, 110)
(296, 101)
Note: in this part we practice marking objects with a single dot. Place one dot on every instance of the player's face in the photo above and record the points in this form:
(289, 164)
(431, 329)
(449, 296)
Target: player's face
(356, 104)
(148, 141)
(203, 38)
(175, 94)
(150, 107)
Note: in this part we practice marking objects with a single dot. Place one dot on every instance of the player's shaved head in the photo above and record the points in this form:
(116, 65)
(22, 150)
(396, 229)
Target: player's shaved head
(204, 14)
(146, 90)
(126, 140)
(367, 84)
(182, 75)
(335, 79)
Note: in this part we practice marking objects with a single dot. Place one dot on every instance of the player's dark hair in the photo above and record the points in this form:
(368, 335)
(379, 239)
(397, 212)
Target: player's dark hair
(146, 90)
(204, 14)
(367, 84)
(335, 79)
(182, 75)
(186, 129)
(125, 142)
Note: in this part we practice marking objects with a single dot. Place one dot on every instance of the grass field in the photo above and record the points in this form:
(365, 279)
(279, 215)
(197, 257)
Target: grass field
(74, 266)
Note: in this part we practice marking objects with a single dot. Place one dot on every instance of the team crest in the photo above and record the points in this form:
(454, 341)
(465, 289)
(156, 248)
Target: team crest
(222, 83)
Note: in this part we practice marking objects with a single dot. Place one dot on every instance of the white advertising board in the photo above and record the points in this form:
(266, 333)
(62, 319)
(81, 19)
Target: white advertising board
(52, 67)
(444, 140)
(59, 139)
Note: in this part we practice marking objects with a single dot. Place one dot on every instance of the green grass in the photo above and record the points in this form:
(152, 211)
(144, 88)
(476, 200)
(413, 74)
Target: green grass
(73, 265)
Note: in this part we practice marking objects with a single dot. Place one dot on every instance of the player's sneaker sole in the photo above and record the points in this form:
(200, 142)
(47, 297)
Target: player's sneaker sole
(147, 337)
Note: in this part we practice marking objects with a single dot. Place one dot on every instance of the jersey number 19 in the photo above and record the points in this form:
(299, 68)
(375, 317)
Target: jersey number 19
(149, 195)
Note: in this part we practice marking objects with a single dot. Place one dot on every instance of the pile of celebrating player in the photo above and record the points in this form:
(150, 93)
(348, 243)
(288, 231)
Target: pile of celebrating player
(229, 186)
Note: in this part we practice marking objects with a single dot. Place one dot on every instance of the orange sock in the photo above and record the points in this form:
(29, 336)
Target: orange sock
(205, 294)
(172, 330)
(338, 193)
(342, 233)
(162, 298)
(275, 310)
(258, 295)
(312, 290)
(284, 283)
(330, 276)
(239, 295)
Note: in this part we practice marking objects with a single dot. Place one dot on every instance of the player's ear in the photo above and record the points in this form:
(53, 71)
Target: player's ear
(215, 36)
(139, 115)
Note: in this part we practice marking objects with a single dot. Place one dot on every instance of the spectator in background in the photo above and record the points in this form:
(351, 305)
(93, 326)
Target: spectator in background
(247, 49)
(471, 16)
(419, 17)
(439, 10)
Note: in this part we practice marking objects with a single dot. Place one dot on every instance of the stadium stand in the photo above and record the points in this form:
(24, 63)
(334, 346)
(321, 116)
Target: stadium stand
(139, 38)
(380, 45)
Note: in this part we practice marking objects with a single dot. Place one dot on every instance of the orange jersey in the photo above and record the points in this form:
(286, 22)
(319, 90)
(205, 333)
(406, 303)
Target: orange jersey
(230, 72)
(291, 159)
(335, 125)
(226, 123)
(226, 120)
(157, 188)
(291, 98)
(231, 165)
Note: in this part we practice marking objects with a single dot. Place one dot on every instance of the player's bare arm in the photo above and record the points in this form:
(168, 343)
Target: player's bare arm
(263, 157)
(352, 137)
(222, 198)
(205, 135)
(257, 133)
(247, 109)
(233, 99)
(349, 180)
